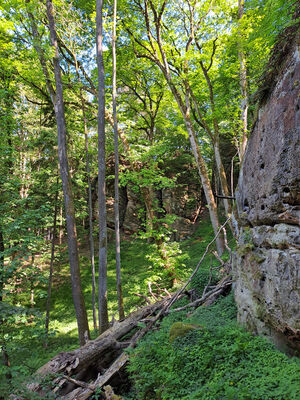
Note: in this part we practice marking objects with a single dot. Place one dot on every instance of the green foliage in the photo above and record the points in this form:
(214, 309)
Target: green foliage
(220, 361)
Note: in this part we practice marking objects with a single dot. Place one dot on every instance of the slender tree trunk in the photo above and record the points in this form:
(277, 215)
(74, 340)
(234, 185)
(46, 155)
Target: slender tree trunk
(243, 86)
(1, 263)
(48, 303)
(202, 168)
(102, 287)
(32, 288)
(216, 141)
(222, 177)
(78, 299)
(61, 225)
(5, 359)
(5, 362)
(90, 207)
(148, 197)
(201, 164)
(90, 202)
(116, 145)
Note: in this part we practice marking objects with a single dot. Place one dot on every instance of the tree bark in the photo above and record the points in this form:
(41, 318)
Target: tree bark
(74, 363)
(116, 149)
(102, 287)
(78, 299)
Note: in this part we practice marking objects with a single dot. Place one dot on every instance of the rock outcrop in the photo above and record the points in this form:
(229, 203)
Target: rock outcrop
(185, 200)
(267, 262)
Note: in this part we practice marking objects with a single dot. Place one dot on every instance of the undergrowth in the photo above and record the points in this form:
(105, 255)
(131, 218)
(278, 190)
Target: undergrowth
(220, 361)
(24, 333)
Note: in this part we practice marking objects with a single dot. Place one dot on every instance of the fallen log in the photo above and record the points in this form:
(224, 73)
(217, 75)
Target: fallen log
(96, 355)
(83, 393)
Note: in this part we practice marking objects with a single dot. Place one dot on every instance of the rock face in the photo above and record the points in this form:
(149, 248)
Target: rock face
(185, 201)
(267, 262)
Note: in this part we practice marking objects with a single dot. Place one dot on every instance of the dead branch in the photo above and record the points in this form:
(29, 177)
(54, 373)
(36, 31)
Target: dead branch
(150, 291)
(147, 300)
(198, 265)
(212, 294)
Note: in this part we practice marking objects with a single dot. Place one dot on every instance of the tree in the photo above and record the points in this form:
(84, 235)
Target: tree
(58, 103)
(116, 151)
(102, 290)
(243, 85)
(165, 59)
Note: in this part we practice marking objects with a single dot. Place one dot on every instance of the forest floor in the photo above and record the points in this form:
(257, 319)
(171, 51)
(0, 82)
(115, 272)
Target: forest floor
(137, 271)
(217, 360)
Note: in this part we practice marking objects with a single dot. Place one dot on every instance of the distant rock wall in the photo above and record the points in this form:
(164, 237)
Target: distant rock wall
(185, 200)
(267, 262)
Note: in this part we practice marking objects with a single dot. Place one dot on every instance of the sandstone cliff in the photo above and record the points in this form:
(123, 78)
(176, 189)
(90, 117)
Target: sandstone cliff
(267, 263)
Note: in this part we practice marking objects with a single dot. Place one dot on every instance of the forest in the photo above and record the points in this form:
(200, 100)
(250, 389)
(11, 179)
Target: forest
(124, 125)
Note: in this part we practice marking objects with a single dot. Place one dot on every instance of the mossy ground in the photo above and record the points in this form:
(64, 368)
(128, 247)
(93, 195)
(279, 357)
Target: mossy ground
(221, 361)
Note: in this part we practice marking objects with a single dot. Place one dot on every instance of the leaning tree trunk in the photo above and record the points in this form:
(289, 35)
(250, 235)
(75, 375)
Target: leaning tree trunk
(212, 207)
(78, 299)
(116, 148)
(102, 287)
(200, 162)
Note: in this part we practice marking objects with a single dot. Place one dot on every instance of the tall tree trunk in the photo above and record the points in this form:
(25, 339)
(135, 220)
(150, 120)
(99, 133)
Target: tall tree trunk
(243, 86)
(184, 107)
(216, 140)
(200, 162)
(116, 145)
(32, 287)
(102, 287)
(51, 266)
(5, 359)
(1, 264)
(78, 299)
(90, 207)
(90, 201)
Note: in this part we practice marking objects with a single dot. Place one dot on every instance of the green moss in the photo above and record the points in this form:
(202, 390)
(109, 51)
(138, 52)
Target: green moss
(244, 249)
(180, 329)
(256, 258)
